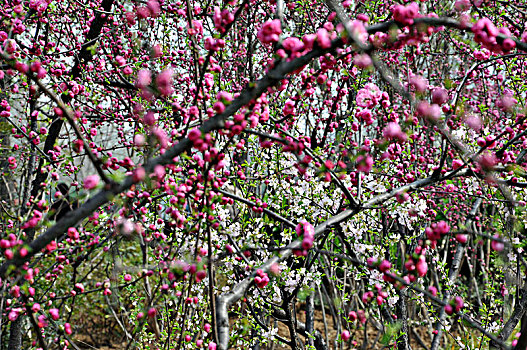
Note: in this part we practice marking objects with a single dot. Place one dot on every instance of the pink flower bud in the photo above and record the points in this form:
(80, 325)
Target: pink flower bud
(421, 267)
(54, 314)
(91, 181)
(152, 312)
(497, 246)
(384, 266)
(439, 96)
(449, 309)
(461, 238)
(345, 335)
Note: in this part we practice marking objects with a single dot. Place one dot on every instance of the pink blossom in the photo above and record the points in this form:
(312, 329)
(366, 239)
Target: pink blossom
(270, 31)
(194, 134)
(153, 7)
(366, 116)
(139, 174)
(439, 96)
(54, 314)
(487, 161)
(364, 163)
(275, 269)
(421, 266)
(73, 233)
(293, 44)
(149, 118)
(449, 309)
(323, 39)
(200, 275)
(120, 60)
(384, 266)
(461, 238)
(224, 96)
(13, 315)
(391, 130)
(405, 15)
(289, 107)
(496, 245)
(10, 46)
(164, 82)
(345, 335)
(459, 303)
(91, 181)
(430, 112)
(139, 140)
(144, 78)
(457, 163)
(362, 60)
(368, 96)
(432, 290)
(152, 312)
(262, 279)
(352, 315)
(219, 107)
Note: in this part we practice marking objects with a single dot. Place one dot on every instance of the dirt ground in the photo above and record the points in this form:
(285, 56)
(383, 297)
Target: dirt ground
(91, 338)
(372, 333)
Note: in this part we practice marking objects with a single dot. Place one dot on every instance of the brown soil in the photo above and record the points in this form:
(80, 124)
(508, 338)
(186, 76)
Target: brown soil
(373, 334)
(93, 336)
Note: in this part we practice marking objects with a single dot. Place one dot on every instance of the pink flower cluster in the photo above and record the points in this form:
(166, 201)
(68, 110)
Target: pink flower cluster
(91, 181)
(212, 44)
(292, 47)
(364, 163)
(262, 279)
(486, 33)
(431, 112)
(200, 142)
(455, 304)
(381, 295)
(357, 315)
(435, 231)
(13, 242)
(497, 245)
(420, 268)
(39, 5)
(222, 19)
(405, 14)
(384, 266)
(393, 131)
(164, 82)
(369, 96)
(270, 31)
(305, 230)
(152, 9)
(36, 67)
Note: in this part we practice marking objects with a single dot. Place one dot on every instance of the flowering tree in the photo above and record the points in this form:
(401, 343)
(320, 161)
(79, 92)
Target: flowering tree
(238, 174)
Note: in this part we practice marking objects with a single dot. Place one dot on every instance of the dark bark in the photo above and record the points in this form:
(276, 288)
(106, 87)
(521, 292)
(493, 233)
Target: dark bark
(403, 342)
(511, 324)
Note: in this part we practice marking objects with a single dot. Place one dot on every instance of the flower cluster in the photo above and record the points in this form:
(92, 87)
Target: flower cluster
(455, 304)
(222, 19)
(435, 231)
(262, 279)
(305, 230)
(405, 14)
(270, 31)
(486, 33)
(367, 297)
